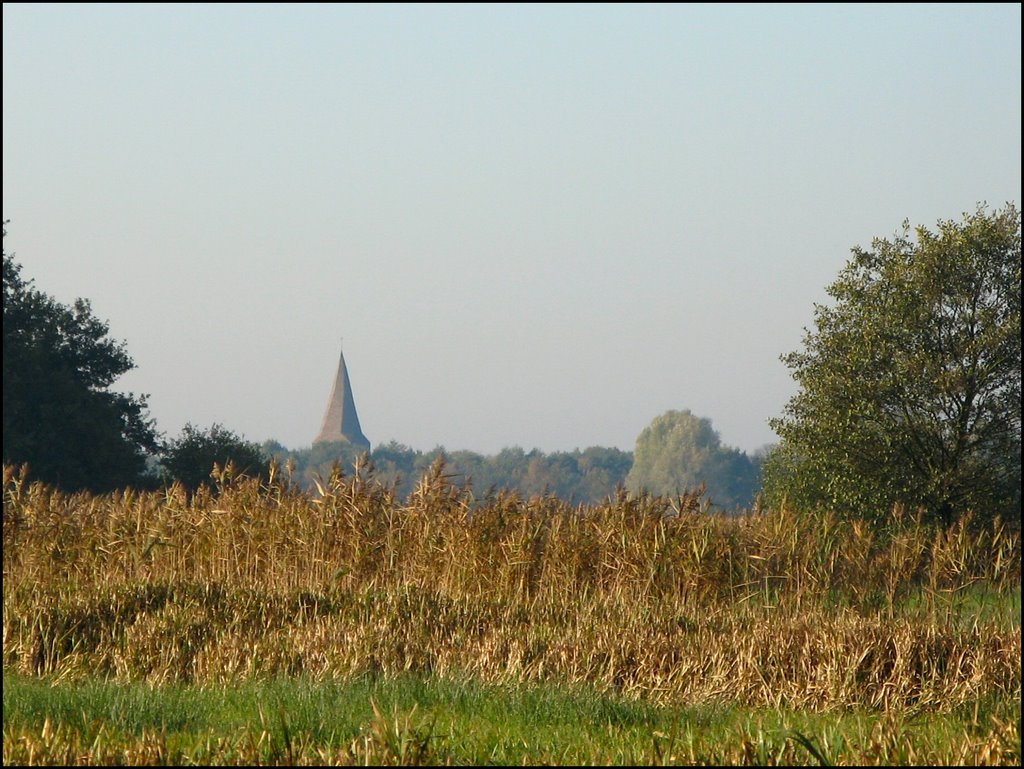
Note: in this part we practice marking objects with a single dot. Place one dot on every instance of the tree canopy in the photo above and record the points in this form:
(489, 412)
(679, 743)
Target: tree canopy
(190, 458)
(910, 383)
(576, 476)
(680, 453)
(58, 414)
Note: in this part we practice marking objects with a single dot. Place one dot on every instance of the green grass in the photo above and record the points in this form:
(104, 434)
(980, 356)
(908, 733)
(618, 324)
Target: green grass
(431, 720)
(975, 603)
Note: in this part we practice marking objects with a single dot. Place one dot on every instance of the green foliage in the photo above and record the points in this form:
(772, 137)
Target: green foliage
(312, 464)
(192, 456)
(679, 453)
(58, 414)
(910, 383)
(586, 476)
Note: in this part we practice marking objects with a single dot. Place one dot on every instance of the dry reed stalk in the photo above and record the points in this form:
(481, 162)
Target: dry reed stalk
(645, 596)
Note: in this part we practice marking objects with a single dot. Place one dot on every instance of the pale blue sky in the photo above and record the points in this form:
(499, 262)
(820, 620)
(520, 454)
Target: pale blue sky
(539, 226)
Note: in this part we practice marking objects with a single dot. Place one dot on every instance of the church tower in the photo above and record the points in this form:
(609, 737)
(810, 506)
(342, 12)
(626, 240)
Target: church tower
(341, 423)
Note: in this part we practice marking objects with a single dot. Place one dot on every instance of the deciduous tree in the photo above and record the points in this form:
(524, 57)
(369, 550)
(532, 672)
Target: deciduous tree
(59, 415)
(680, 452)
(190, 458)
(910, 382)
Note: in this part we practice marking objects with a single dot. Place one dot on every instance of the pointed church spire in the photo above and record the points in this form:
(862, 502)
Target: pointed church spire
(341, 423)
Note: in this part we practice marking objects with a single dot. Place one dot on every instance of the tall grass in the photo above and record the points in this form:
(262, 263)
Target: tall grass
(644, 597)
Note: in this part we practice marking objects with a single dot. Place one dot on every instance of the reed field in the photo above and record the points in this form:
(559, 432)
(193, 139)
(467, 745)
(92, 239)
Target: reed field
(255, 623)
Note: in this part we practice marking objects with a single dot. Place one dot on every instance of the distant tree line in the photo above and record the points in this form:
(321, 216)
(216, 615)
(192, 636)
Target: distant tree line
(678, 454)
(576, 476)
(62, 420)
(909, 400)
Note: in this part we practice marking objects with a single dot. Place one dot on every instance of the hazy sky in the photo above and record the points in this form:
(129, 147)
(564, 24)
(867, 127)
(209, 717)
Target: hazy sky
(539, 226)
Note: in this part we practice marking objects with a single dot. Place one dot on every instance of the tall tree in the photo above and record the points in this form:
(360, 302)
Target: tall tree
(679, 452)
(58, 414)
(910, 383)
(190, 458)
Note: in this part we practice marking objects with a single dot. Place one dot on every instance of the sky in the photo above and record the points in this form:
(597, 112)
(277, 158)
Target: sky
(526, 225)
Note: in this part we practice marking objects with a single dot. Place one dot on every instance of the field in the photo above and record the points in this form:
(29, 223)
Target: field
(257, 624)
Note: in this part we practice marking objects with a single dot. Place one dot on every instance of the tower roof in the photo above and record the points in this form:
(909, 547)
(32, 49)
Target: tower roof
(341, 423)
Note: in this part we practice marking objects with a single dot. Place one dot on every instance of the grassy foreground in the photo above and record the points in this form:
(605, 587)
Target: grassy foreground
(412, 720)
(261, 625)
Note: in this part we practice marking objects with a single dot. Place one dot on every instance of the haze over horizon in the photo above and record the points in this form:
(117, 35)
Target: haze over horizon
(535, 226)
